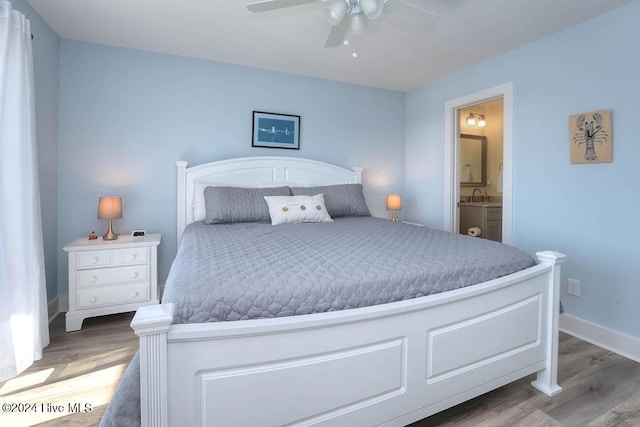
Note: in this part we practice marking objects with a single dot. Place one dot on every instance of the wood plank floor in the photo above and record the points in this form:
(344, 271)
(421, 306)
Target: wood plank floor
(82, 368)
(599, 388)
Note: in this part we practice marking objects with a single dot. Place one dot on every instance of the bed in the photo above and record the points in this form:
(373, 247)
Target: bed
(335, 360)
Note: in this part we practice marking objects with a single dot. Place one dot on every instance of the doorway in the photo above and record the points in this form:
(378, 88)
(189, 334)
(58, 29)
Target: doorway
(453, 126)
(481, 169)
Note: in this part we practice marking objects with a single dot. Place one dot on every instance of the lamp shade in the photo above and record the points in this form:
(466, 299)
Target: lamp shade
(394, 202)
(110, 208)
(471, 119)
(372, 8)
(337, 11)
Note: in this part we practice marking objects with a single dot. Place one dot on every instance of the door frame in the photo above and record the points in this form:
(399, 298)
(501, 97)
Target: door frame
(452, 157)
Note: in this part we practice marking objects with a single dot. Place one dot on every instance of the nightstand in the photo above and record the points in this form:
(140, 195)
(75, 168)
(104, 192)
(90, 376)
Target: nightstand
(114, 276)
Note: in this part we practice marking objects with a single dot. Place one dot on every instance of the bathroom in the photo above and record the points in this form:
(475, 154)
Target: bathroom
(481, 165)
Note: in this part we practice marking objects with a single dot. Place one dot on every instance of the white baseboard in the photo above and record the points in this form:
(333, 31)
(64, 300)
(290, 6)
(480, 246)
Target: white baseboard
(622, 344)
(53, 309)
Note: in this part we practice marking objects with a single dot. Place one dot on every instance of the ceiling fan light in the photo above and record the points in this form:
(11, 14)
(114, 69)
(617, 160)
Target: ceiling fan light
(337, 11)
(372, 8)
(358, 23)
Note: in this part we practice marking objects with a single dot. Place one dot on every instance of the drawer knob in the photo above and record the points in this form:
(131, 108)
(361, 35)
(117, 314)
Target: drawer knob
(95, 260)
(93, 300)
(132, 257)
(93, 279)
(134, 294)
(134, 275)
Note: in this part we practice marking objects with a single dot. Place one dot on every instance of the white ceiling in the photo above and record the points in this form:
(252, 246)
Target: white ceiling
(292, 39)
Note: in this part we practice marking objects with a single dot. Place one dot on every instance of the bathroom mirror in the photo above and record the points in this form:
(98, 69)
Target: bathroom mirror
(473, 161)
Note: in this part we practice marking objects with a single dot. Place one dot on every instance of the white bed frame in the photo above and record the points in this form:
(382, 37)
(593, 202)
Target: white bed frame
(389, 364)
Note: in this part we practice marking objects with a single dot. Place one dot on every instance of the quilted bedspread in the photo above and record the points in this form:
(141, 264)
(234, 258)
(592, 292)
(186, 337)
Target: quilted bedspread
(227, 272)
(256, 270)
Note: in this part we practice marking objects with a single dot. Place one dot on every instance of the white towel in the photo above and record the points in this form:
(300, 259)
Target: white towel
(499, 182)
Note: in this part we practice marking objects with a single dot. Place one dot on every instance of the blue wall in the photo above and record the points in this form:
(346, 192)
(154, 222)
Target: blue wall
(126, 116)
(585, 211)
(46, 57)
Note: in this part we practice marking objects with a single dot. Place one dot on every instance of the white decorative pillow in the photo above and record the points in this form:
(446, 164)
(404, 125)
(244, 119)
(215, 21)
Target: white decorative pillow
(295, 209)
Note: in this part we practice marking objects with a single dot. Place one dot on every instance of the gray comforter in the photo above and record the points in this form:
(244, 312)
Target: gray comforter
(256, 270)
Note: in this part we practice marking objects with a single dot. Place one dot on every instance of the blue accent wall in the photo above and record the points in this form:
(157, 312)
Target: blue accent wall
(113, 121)
(589, 211)
(46, 57)
(126, 116)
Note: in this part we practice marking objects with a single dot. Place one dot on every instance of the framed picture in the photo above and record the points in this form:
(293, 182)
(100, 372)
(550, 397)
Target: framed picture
(276, 130)
(590, 138)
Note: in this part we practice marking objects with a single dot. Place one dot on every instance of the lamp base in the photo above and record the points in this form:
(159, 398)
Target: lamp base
(110, 235)
(394, 217)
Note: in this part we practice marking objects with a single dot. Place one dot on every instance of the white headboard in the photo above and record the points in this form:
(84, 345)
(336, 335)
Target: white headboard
(252, 172)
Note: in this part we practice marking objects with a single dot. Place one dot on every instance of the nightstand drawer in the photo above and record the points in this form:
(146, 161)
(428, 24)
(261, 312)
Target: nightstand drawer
(114, 257)
(131, 256)
(97, 297)
(94, 259)
(111, 276)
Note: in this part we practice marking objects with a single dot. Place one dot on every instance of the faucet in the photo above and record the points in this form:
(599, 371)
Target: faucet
(473, 194)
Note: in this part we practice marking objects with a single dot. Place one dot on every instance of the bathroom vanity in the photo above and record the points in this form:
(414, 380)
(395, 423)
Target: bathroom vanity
(485, 215)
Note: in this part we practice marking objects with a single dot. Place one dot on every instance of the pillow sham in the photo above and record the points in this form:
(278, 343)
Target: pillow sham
(296, 209)
(225, 205)
(341, 199)
(199, 203)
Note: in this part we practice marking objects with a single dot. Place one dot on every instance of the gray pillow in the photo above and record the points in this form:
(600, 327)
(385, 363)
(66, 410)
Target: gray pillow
(341, 200)
(236, 204)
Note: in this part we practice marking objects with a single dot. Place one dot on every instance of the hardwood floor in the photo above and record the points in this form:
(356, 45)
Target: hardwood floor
(81, 367)
(600, 388)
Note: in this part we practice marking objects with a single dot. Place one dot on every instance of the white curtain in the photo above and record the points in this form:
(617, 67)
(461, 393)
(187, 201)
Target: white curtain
(24, 328)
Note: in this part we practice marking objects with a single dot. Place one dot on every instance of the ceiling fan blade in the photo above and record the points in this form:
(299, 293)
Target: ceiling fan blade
(267, 5)
(409, 15)
(337, 34)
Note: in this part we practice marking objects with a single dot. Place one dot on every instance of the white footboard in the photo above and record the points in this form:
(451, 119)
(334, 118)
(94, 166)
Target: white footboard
(383, 365)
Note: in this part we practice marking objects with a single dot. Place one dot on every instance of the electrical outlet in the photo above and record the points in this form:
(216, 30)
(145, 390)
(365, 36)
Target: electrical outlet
(574, 287)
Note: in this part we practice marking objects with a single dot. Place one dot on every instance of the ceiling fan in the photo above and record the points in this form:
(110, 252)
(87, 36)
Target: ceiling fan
(353, 15)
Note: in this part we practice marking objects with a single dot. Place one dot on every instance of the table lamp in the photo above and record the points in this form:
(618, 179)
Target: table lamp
(394, 203)
(110, 208)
